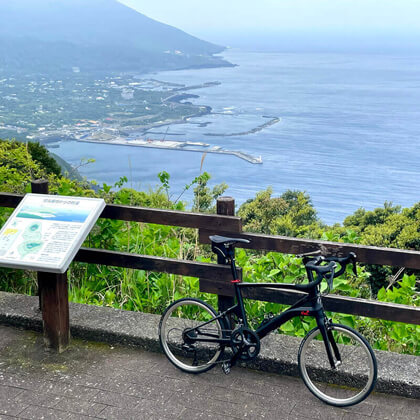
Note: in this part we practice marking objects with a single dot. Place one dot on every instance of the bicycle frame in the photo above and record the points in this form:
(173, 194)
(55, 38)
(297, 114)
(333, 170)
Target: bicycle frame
(310, 305)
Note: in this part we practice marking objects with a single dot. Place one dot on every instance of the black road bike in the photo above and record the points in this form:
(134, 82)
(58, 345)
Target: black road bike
(336, 362)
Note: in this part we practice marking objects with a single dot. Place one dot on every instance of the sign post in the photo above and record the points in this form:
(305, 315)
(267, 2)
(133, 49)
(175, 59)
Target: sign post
(44, 234)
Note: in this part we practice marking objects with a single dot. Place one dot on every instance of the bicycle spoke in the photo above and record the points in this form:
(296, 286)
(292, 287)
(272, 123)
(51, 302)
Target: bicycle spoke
(351, 380)
(184, 330)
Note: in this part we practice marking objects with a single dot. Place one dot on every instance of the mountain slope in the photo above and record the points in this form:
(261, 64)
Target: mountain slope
(95, 34)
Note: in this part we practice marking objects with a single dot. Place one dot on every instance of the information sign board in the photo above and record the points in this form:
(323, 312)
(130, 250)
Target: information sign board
(45, 232)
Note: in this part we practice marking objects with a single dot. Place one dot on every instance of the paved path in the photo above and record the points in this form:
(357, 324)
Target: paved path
(93, 380)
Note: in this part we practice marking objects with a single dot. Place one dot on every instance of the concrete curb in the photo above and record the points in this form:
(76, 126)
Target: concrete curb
(397, 374)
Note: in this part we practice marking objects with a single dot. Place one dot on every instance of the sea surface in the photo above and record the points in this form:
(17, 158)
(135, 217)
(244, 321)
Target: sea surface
(349, 133)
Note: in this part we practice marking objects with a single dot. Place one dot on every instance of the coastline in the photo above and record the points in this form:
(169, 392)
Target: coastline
(182, 146)
(319, 113)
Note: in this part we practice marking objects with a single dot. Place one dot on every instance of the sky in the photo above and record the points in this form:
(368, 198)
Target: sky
(233, 21)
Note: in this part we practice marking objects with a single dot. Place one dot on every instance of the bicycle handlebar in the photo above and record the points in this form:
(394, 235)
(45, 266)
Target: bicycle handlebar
(314, 264)
(351, 258)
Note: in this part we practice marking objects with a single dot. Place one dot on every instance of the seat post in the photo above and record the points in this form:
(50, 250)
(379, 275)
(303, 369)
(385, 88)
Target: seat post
(232, 263)
(225, 206)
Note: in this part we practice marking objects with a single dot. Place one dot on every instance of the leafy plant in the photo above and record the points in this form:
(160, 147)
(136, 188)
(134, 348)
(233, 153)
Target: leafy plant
(291, 213)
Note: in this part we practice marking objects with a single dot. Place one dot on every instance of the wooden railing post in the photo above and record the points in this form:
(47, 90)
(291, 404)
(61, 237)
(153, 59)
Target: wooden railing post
(225, 206)
(39, 186)
(55, 310)
(53, 297)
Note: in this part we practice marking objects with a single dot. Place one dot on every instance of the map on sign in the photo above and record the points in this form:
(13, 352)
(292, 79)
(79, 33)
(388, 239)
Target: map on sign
(45, 231)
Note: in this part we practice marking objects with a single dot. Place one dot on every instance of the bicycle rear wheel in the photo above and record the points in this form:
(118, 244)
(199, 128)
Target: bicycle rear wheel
(182, 323)
(354, 376)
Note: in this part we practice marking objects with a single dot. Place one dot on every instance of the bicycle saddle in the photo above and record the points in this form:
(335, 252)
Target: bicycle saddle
(217, 239)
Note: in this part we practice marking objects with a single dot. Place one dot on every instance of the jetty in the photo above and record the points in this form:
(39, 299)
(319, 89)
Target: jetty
(186, 146)
(273, 120)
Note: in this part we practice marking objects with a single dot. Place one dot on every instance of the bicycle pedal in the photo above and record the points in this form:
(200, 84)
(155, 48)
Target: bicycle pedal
(226, 367)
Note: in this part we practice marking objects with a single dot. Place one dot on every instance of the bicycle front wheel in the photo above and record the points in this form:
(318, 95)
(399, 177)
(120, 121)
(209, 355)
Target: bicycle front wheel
(187, 333)
(354, 375)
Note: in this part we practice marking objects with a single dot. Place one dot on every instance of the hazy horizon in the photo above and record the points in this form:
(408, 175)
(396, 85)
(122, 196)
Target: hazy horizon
(286, 25)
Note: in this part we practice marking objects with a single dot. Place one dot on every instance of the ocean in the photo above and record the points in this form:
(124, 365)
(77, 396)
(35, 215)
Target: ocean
(349, 133)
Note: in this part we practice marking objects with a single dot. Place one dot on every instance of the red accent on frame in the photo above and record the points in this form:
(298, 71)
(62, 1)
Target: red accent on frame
(235, 281)
(304, 313)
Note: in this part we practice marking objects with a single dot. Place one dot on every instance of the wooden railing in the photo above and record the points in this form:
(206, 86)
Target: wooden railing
(215, 278)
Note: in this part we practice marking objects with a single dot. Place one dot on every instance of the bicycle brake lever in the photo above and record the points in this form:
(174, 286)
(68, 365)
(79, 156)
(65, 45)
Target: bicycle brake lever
(353, 259)
(330, 278)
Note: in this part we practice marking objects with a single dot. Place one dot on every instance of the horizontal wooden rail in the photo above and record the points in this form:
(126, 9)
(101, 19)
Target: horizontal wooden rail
(157, 216)
(334, 303)
(365, 254)
(10, 200)
(172, 218)
(151, 263)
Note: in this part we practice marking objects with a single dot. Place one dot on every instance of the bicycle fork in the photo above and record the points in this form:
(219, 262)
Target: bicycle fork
(329, 341)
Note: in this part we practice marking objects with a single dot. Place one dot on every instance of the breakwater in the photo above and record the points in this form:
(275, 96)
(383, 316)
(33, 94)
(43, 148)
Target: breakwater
(273, 120)
(185, 146)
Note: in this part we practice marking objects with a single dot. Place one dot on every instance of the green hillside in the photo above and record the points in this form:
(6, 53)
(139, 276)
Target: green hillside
(94, 35)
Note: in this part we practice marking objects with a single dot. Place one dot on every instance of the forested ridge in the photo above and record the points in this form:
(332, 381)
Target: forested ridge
(95, 35)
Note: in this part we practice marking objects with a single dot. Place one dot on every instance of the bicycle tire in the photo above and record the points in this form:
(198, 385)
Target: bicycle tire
(180, 316)
(352, 380)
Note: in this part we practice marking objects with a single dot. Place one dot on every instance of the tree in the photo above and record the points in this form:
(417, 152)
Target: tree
(362, 218)
(260, 213)
(291, 214)
(299, 206)
(17, 167)
(41, 155)
(204, 197)
(387, 226)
